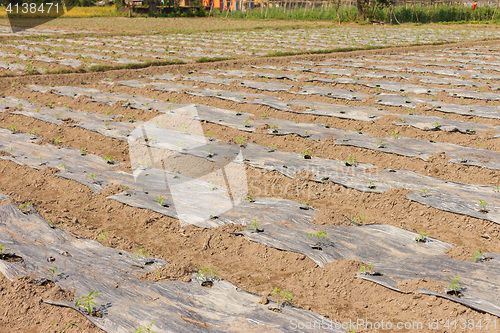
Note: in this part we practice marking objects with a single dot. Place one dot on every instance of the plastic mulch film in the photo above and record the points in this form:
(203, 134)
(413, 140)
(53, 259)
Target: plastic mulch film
(394, 253)
(333, 93)
(124, 301)
(265, 86)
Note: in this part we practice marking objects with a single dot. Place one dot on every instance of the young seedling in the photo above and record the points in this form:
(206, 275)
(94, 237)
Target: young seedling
(13, 128)
(454, 286)
(436, 125)
(145, 329)
(360, 219)
(247, 123)
(250, 198)
(482, 206)
(255, 226)
(306, 206)
(2, 253)
(371, 184)
(51, 274)
(271, 147)
(422, 238)
(395, 134)
(83, 151)
(109, 159)
(87, 302)
(35, 133)
(213, 188)
(319, 235)
(478, 256)
(57, 141)
(208, 135)
(240, 141)
(207, 276)
(274, 128)
(210, 149)
(283, 296)
(351, 161)
(25, 207)
(370, 270)
(381, 144)
(306, 154)
(424, 192)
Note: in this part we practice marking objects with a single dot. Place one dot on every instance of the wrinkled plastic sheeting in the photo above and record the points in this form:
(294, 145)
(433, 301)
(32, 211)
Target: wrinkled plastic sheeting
(463, 109)
(432, 123)
(333, 93)
(393, 252)
(85, 265)
(207, 79)
(401, 146)
(265, 86)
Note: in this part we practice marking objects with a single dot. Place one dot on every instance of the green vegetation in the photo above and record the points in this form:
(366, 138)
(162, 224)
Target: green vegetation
(87, 301)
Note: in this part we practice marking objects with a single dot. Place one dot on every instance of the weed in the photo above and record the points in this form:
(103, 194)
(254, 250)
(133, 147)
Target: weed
(87, 301)
(102, 235)
(141, 254)
(421, 238)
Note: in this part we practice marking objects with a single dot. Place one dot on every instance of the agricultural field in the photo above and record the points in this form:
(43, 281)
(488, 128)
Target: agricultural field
(59, 51)
(345, 192)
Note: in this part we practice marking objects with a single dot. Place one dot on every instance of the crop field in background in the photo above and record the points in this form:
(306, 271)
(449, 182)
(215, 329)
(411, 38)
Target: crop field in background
(302, 193)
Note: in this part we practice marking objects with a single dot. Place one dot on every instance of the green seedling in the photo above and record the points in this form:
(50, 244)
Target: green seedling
(83, 151)
(57, 141)
(51, 274)
(422, 238)
(395, 134)
(2, 249)
(87, 301)
(141, 254)
(274, 128)
(497, 189)
(283, 296)
(160, 200)
(207, 276)
(246, 123)
(371, 184)
(455, 285)
(424, 192)
(351, 161)
(250, 198)
(36, 132)
(319, 235)
(213, 188)
(272, 147)
(25, 207)
(306, 154)
(437, 125)
(92, 176)
(109, 159)
(381, 144)
(240, 141)
(483, 206)
(13, 128)
(306, 133)
(208, 135)
(370, 271)
(102, 235)
(478, 256)
(145, 329)
(210, 149)
(255, 226)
